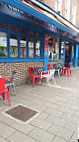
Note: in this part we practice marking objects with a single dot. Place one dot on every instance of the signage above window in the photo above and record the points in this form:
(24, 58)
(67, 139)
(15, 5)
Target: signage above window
(15, 9)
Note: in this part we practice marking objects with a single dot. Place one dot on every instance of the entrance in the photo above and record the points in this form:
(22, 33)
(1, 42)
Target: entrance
(66, 54)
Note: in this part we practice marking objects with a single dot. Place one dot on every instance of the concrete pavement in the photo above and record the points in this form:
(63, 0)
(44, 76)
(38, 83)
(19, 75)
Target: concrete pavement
(58, 108)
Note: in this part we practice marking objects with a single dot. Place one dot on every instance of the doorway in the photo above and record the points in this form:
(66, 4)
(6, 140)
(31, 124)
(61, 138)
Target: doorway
(66, 54)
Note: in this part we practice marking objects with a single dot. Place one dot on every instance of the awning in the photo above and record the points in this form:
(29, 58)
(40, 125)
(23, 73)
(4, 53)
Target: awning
(32, 11)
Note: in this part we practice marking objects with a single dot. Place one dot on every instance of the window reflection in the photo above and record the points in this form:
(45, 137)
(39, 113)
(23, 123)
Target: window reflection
(53, 50)
(31, 48)
(22, 46)
(38, 48)
(13, 45)
(3, 44)
(62, 49)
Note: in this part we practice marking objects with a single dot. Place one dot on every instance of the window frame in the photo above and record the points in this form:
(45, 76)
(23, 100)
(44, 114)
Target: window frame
(26, 45)
(8, 58)
(11, 32)
(38, 38)
(5, 31)
(58, 51)
(31, 37)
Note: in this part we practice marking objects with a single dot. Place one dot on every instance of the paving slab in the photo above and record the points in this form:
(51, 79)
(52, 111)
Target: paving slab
(41, 135)
(61, 132)
(58, 107)
(20, 137)
(56, 120)
(72, 126)
(5, 130)
(58, 139)
(24, 128)
(40, 123)
(53, 112)
(6, 119)
(74, 138)
(3, 140)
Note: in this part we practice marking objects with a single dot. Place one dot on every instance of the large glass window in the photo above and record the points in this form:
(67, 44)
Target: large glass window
(3, 44)
(62, 49)
(53, 50)
(22, 46)
(13, 45)
(38, 48)
(31, 47)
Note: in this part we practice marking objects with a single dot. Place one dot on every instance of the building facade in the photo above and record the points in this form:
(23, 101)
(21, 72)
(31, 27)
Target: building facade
(69, 9)
(32, 34)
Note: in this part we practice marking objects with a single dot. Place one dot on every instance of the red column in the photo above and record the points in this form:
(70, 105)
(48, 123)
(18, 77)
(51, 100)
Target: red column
(46, 40)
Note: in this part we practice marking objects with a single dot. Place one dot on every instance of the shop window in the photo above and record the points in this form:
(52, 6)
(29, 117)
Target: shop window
(38, 48)
(38, 35)
(31, 48)
(53, 50)
(13, 28)
(13, 45)
(62, 49)
(23, 31)
(3, 44)
(3, 25)
(31, 33)
(22, 46)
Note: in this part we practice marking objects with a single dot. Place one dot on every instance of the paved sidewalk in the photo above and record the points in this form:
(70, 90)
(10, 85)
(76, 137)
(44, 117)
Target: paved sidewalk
(58, 108)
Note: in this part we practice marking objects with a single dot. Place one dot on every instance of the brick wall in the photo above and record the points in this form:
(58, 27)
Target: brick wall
(20, 68)
(53, 62)
(50, 3)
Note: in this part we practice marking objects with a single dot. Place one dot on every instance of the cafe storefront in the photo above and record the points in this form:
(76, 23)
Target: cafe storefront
(31, 35)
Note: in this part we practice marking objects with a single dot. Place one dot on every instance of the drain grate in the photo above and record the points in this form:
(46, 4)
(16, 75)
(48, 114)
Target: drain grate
(21, 113)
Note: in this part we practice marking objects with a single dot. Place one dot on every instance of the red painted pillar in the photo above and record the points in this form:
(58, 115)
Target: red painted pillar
(46, 40)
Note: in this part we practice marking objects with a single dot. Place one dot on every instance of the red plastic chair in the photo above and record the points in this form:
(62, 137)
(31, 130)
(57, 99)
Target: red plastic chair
(33, 76)
(4, 90)
(68, 69)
